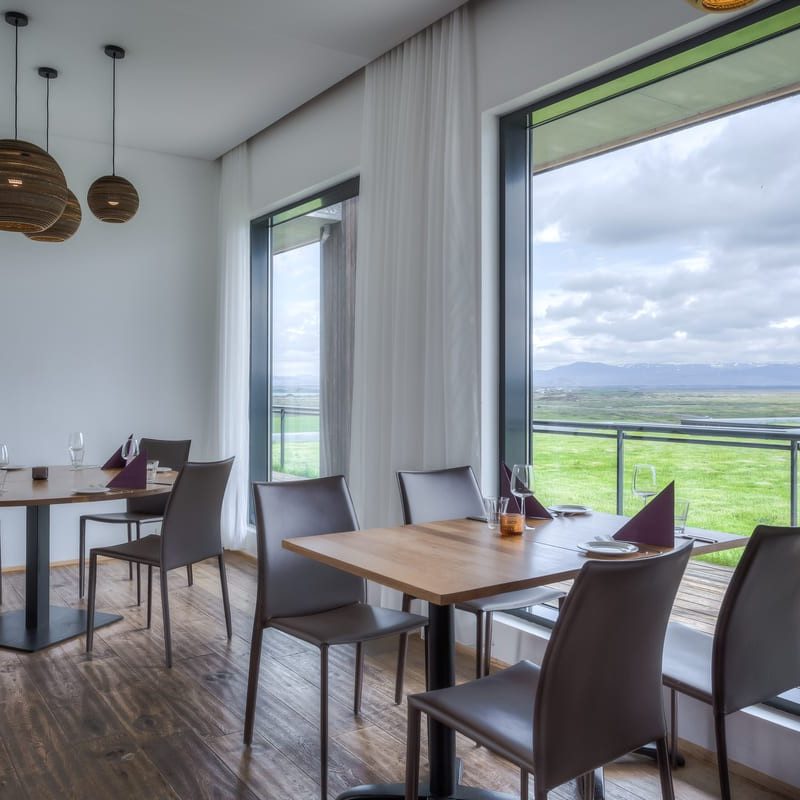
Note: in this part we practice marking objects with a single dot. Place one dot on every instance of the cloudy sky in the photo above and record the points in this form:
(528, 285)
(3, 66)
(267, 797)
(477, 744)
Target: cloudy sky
(295, 324)
(682, 249)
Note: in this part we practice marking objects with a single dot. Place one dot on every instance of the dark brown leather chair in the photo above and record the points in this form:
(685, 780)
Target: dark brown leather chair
(451, 494)
(597, 694)
(190, 533)
(311, 601)
(754, 654)
(140, 510)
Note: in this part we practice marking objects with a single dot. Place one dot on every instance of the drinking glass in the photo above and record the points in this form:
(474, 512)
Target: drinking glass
(75, 447)
(3, 455)
(130, 449)
(522, 487)
(644, 482)
(494, 506)
(681, 515)
(152, 470)
(3, 475)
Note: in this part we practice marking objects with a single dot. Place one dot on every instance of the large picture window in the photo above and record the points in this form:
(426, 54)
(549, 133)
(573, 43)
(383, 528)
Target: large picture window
(650, 280)
(303, 292)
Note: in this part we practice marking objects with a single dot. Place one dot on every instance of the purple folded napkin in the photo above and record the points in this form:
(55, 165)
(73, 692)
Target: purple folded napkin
(116, 461)
(134, 476)
(533, 508)
(655, 523)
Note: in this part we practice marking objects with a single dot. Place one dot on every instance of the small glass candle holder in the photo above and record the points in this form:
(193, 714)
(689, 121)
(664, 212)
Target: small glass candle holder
(512, 524)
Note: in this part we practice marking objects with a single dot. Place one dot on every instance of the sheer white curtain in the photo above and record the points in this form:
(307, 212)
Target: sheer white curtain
(233, 358)
(416, 362)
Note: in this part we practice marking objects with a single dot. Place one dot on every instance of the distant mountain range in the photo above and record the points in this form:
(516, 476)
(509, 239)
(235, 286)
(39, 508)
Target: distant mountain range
(595, 375)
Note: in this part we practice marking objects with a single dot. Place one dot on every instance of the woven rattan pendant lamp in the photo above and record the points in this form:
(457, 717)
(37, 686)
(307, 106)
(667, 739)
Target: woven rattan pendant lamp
(112, 198)
(66, 225)
(719, 6)
(33, 191)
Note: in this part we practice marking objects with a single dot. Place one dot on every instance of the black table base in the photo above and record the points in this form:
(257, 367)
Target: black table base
(41, 625)
(398, 792)
(63, 624)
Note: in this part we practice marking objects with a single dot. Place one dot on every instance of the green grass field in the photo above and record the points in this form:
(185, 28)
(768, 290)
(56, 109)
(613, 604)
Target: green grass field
(728, 488)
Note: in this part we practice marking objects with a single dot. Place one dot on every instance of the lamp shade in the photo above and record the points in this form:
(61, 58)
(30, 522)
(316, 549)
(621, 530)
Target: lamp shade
(65, 226)
(113, 199)
(720, 5)
(33, 190)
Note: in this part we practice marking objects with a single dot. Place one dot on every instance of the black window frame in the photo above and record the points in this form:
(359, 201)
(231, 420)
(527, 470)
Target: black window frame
(260, 406)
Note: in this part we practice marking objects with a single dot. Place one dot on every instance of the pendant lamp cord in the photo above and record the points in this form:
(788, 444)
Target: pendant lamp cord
(47, 118)
(114, 117)
(16, 78)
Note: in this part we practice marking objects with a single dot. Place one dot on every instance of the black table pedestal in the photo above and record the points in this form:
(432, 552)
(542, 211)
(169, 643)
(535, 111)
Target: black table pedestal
(41, 625)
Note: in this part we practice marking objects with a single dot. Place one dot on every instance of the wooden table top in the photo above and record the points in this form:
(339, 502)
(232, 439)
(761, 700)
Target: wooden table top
(458, 560)
(62, 482)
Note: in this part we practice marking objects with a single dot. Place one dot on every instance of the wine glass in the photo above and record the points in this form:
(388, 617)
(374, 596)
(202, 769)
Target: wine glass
(644, 482)
(3, 455)
(130, 449)
(75, 447)
(522, 487)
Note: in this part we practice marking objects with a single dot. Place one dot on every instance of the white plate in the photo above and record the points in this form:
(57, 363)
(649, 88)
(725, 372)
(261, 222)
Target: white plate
(163, 469)
(95, 489)
(12, 468)
(570, 509)
(604, 548)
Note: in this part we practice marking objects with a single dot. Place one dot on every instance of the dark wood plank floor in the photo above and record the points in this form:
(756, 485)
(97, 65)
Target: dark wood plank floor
(117, 724)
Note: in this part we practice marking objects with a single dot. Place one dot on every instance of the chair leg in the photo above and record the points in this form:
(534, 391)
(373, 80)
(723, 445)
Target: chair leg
(81, 557)
(402, 651)
(323, 722)
(722, 756)
(138, 569)
(487, 668)
(130, 539)
(149, 595)
(673, 727)
(252, 680)
(165, 612)
(523, 785)
(189, 575)
(90, 609)
(480, 627)
(664, 770)
(359, 678)
(226, 603)
(412, 753)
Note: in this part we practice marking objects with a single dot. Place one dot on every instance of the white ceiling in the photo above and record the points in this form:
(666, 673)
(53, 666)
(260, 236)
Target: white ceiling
(200, 75)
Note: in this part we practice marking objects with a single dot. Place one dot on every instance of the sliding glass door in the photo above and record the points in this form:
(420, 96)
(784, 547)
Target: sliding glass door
(304, 262)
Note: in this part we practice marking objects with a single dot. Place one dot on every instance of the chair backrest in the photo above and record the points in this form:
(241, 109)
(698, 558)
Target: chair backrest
(291, 585)
(439, 494)
(599, 694)
(756, 651)
(168, 453)
(191, 528)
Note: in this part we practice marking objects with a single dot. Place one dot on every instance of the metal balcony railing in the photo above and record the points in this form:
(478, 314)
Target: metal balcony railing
(708, 435)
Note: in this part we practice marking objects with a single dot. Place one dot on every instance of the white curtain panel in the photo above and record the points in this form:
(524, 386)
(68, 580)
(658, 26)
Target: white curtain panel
(233, 370)
(416, 361)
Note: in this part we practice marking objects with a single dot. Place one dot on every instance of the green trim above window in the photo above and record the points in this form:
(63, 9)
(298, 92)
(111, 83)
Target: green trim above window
(759, 31)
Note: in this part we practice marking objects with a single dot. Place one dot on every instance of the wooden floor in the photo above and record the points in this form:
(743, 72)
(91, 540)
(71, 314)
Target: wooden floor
(117, 724)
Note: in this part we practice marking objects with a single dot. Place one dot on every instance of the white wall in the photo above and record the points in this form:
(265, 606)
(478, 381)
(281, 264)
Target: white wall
(111, 332)
(317, 146)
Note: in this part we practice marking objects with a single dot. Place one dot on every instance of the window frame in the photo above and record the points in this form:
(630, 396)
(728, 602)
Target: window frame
(260, 404)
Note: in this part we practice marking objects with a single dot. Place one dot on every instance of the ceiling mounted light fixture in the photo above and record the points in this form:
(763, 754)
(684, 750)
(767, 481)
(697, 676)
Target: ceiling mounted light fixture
(720, 6)
(112, 198)
(69, 222)
(33, 191)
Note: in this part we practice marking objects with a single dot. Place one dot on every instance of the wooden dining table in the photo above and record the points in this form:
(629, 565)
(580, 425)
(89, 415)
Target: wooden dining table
(40, 624)
(454, 561)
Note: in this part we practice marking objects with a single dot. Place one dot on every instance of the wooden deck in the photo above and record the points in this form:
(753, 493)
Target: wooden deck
(117, 724)
(700, 595)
